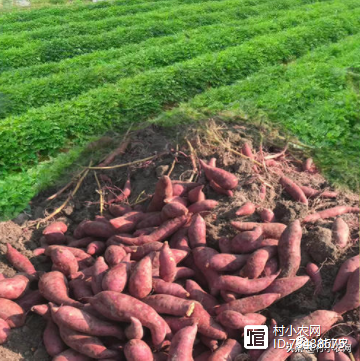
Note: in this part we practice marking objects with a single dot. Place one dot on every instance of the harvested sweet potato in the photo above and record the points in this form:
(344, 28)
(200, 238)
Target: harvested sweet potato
(176, 199)
(219, 190)
(182, 344)
(64, 261)
(196, 194)
(99, 271)
(12, 313)
(197, 231)
(228, 296)
(167, 269)
(82, 242)
(4, 331)
(114, 255)
(262, 192)
(98, 229)
(236, 320)
(118, 210)
(341, 232)
(135, 330)
(198, 294)
(267, 215)
(168, 288)
(81, 288)
(71, 355)
(225, 245)
(313, 193)
(289, 249)
(127, 223)
(271, 267)
(52, 340)
(184, 272)
(163, 190)
(84, 259)
(203, 207)
(313, 272)
(225, 262)
(173, 210)
(286, 286)
(346, 269)
(243, 241)
(270, 230)
(19, 261)
(96, 248)
(42, 310)
(246, 209)
(140, 281)
(228, 351)
(151, 219)
(293, 189)
(30, 299)
(116, 278)
(14, 287)
(138, 350)
(329, 213)
(170, 305)
(54, 233)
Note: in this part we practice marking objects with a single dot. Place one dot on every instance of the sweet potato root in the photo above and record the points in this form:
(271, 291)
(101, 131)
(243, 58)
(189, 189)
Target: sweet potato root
(140, 281)
(114, 255)
(267, 215)
(198, 294)
(228, 351)
(244, 240)
(71, 355)
(135, 330)
(54, 233)
(96, 248)
(19, 261)
(173, 210)
(246, 209)
(313, 272)
(98, 229)
(12, 313)
(270, 230)
(4, 331)
(118, 210)
(346, 269)
(52, 340)
(217, 189)
(203, 207)
(127, 223)
(168, 288)
(181, 347)
(341, 232)
(286, 286)
(30, 299)
(196, 194)
(313, 193)
(293, 189)
(163, 190)
(167, 269)
(225, 262)
(82, 242)
(13, 288)
(138, 350)
(99, 271)
(330, 213)
(116, 278)
(64, 261)
(170, 305)
(236, 320)
(197, 231)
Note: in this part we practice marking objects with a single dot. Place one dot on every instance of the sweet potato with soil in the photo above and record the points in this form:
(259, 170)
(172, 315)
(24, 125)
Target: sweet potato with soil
(209, 342)
(243, 239)
(179, 239)
(267, 215)
(225, 262)
(135, 330)
(181, 347)
(64, 261)
(98, 229)
(96, 248)
(126, 192)
(79, 230)
(140, 280)
(12, 313)
(170, 305)
(249, 304)
(139, 252)
(262, 192)
(293, 190)
(196, 194)
(71, 355)
(184, 272)
(138, 350)
(127, 223)
(120, 307)
(217, 189)
(52, 340)
(81, 288)
(351, 300)
(224, 179)
(82, 242)
(203, 206)
(246, 150)
(42, 310)
(271, 267)
(313, 193)
(236, 320)
(152, 219)
(256, 262)
(4, 331)
(168, 288)
(163, 190)
(224, 245)
(90, 346)
(13, 288)
(321, 317)
(173, 210)
(340, 232)
(286, 286)
(116, 278)
(84, 259)
(53, 287)
(228, 296)
(29, 300)
(19, 261)
(227, 352)
(313, 272)
(81, 321)
(198, 294)
(246, 209)
(99, 271)
(114, 255)
(167, 266)
(54, 233)
(346, 269)
(197, 231)
(270, 230)
(118, 210)
(330, 213)
(176, 199)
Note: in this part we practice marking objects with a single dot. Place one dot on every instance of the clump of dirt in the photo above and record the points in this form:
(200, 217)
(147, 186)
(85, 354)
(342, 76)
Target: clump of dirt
(173, 155)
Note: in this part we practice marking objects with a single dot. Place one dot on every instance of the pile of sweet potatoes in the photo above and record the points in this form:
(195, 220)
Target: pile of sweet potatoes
(144, 284)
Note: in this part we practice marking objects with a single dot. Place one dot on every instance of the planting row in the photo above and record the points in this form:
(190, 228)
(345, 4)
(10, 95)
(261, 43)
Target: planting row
(43, 131)
(34, 93)
(101, 57)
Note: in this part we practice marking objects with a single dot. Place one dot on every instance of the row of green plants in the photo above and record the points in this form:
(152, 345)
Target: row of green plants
(42, 91)
(43, 131)
(100, 57)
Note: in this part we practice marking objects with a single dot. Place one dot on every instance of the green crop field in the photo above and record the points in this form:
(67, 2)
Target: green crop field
(70, 73)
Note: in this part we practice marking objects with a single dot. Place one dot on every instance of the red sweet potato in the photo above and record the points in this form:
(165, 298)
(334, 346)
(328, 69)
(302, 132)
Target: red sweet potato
(120, 307)
(4, 331)
(82, 242)
(243, 241)
(114, 255)
(198, 294)
(64, 261)
(81, 321)
(181, 347)
(139, 252)
(270, 230)
(313, 272)
(286, 286)
(346, 269)
(144, 231)
(249, 304)
(12, 313)
(271, 267)
(340, 232)
(125, 194)
(167, 269)
(203, 356)
(307, 165)
(53, 287)
(289, 249)
(116, 278)
(203, 206)
(99, 271)
(71, 355)
(135, 330)
(42, 310)
(118, 210)
(321, 317)
(138, 350)
(52, 340)
(79, 230)
(98, 229)
(236, 320)
(81, 288)
(351, 300)
(226, 262)
(196, 194)
(293, 189)
(246, 209)
(176, 199)
(180, 240)
(228, 296)
(19, 261)
(173, 210)
(267, 215)
(219, 190)
(262, 192)
(127, 223)
(140, 281)
(313, 193)
(29, 300)
(227, 352)
(54, 233)
(168, 288)
(96, 248)
(197, 231)
(13, 288)
(184, 272)
(84, 259)
(88, 345)
(225, 245)
(163, 190)
(170, 305)
(246, 150)
(330, 213)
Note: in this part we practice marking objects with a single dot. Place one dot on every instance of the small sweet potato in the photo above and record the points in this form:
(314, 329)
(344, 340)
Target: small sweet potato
(54, 233)
(267, 215)
(246, 209)
(197, 231)
(181, 347)
(226, 262)
(176, 199)
(236, 320)
(96, 248)
(346, 269)
(217, 189)
(64, 261)
(173, 210)
(84, 259)
(246, 150)
(340, 232)
(30, 299)
(330, 213)
(167, 269)
(286, 286)
(163, 190)
(170, 305)
(4, 331)
(82, 242)
(125, 194)
(19, 261)
(184, 272)
(118, 210)
(127, 223)
(81, 288)
(262, 192)
(228, 351)
(116, 278)
(198, 294)
(313, 272)
(52, 340)
(140, 281)
(313, 193)
(293, 189)
(42, 310)
(114, 255)
(271, 267)
(228, 296)
(168, 288)
(53, 287)
(196, 194)
(138, 350)
(98, 229)
(244, 240)
(13, 288)
(71, 355)
(12, 313)
(99, 271)
(270, 230)
(135, 330)
(203, 207)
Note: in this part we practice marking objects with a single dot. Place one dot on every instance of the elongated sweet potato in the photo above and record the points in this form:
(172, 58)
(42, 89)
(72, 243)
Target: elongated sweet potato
(163, 190)
(270, 230)
(197, 231)
(286, 286)
(42, 310)
(226, 262)
(167, 269)
(12, 313)
(90, 346)
(244, 241)
(135, 330)
(267, 215)
(139, 252)
(293, 189)
(140, 281)
(176, 199)
(313, 193)
(64, 261)
(203, 356)
(225, 245)
(228, 296)
(96, 248)
(180, 242)
(203, 207)
(236, 320)
(196, 194)
(224, 179)
(116, 278)
(198, 294)
(341, 232)
(30, 299)
(289, 249)
(82, 242)
(118, 210)
(52, 340)
(98, 229)
(351, 300)
(84, 259)
(54, 233)
(4, 331)
(168, 288)
(127, 223)
(71, 355)
(346, 269)
(184, 272)
(173, 210)
(81, 321)
(262, 192)
(249, 304)
(271, 267)
(125, 194)
(114, 255)
(228, 351)
(219, 190)
(246, 209)
(13, 288)
(19, 261)
(170, 305)
(99, 271)
(81, 288)
(182, 344)
(53, 287)
(330, 213)
(313, 272)
(321, 317)
(138, 350)
(120, 307)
